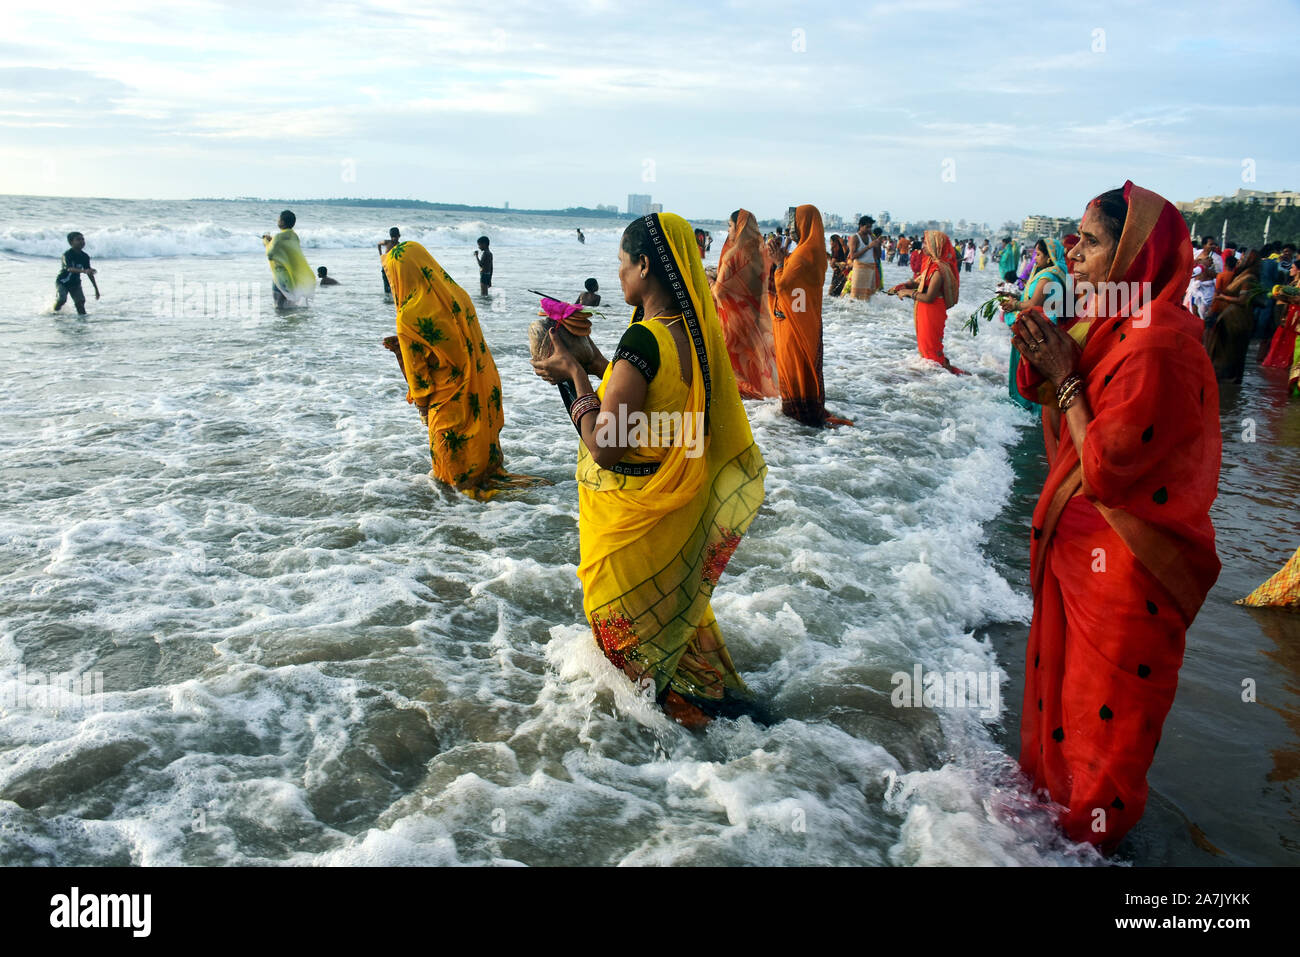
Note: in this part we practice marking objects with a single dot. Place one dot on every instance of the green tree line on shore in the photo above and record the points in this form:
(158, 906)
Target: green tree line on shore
(1246, 223)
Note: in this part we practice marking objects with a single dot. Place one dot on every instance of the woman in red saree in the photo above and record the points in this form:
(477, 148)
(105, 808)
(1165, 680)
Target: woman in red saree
(797, 323)
(1281, 349)
(1122, 551)
(742, 308)
(933, 293)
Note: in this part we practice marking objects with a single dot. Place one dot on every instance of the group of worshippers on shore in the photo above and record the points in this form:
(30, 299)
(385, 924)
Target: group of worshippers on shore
(1240, 294)
(857, 262)
(1243, 294)
(1128, 398)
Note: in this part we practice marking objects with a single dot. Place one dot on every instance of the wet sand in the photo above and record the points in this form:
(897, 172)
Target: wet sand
(1225, 782)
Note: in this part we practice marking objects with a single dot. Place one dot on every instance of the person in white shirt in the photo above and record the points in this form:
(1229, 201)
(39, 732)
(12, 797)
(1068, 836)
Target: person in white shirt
(1207, 263)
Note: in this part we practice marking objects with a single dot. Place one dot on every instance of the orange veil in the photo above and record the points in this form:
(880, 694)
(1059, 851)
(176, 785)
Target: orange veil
(939, 250)
(743, 310)
(797, 321)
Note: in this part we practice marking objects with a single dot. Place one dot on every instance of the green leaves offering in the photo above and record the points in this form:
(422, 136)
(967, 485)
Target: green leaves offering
(985, 312)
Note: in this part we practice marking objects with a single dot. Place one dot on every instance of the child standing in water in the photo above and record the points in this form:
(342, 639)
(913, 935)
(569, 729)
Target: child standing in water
(591, 297)
(75, 264)
(394, 237)
(483, 257)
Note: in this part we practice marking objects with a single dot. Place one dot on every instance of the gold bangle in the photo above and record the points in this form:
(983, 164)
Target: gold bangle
(1069, 391)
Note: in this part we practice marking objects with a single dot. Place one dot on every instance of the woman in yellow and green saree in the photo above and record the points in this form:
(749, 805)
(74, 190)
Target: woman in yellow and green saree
(292, 280)
(669, 479)
(450, 375)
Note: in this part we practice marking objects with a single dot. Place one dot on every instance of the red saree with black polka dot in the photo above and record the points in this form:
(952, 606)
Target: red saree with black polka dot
(1122, 552)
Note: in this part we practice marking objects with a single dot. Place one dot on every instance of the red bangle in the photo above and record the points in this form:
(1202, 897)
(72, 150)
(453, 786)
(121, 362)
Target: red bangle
(582, 405)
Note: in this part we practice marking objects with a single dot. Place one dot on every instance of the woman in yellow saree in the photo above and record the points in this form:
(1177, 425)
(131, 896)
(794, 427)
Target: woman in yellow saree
(1280, 591)
(450, 375)
(740, 295)
(661, 512)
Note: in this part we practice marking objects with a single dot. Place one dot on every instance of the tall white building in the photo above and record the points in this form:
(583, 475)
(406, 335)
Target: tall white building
(1052, 227)
(638, 204)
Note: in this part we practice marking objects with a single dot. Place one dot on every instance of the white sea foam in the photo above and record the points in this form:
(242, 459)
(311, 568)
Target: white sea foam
(322, 658)
(208, 239)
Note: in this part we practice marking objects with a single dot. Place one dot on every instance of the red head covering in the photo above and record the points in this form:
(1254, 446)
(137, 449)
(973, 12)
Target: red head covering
(1146, 363)
(1155, 247)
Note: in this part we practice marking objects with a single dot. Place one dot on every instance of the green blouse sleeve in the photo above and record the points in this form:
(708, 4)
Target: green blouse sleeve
(638, 346)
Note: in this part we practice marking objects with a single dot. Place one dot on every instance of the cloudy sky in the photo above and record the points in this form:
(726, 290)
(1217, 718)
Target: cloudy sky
(926, 109)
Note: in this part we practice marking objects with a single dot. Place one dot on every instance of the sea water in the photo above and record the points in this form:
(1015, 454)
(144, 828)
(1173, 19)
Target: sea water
(311, 653)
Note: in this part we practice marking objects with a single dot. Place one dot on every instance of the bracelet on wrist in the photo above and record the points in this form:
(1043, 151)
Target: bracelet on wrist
(582, 405)
(1069, 391)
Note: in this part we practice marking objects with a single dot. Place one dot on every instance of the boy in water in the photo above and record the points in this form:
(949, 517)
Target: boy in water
(75, 264)
(483, 257)
(591, 297)
(394, 237)
(324, 280)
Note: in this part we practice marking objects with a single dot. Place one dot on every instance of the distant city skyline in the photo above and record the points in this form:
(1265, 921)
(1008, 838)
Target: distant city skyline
(930, 109)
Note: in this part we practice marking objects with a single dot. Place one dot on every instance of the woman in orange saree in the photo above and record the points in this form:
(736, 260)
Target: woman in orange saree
(743, 310)
(797, 323)
(1122, 551)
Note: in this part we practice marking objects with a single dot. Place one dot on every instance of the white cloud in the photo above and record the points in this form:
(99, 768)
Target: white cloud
(556, 103)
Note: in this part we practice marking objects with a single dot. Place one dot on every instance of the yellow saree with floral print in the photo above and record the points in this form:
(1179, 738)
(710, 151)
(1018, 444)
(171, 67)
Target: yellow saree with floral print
(449, 370)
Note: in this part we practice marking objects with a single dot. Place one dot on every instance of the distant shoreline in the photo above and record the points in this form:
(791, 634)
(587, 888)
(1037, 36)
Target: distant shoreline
(573, 211)
(422, 204)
